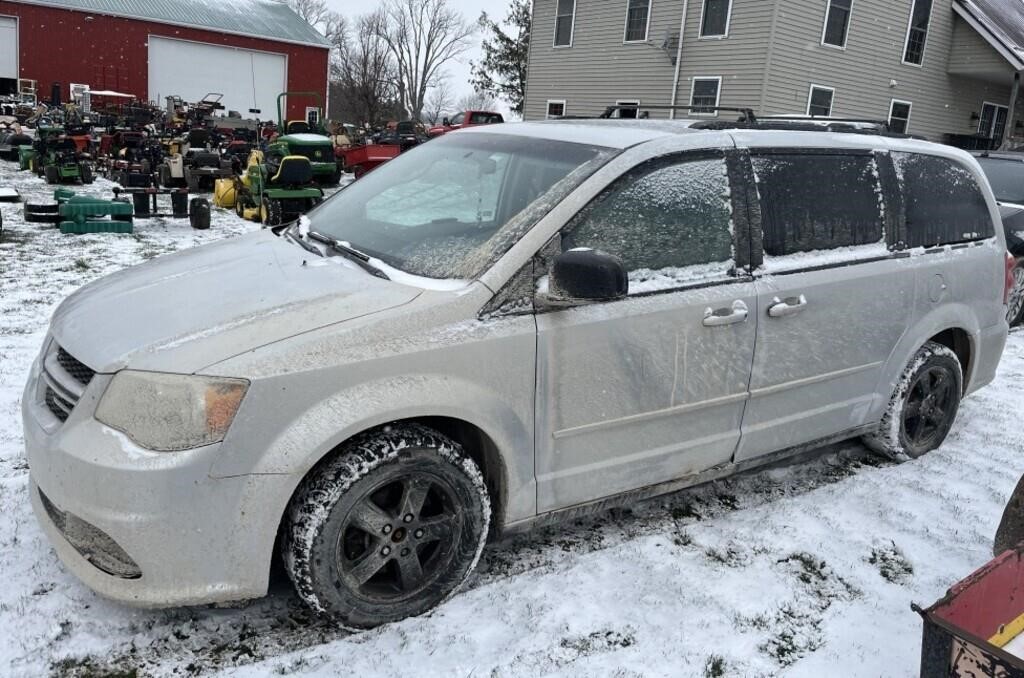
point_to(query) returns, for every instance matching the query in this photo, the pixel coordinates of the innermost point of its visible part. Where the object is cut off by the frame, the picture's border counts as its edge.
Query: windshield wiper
(289, 233)
(349, 252)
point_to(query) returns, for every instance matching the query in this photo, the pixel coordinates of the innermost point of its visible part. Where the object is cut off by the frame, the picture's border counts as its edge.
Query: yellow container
(225, 193)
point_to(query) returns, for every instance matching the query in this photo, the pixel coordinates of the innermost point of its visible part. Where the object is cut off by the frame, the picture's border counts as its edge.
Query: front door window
(993, 123)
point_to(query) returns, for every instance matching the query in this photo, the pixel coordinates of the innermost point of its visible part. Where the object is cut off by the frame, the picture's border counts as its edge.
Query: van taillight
(1011, 263)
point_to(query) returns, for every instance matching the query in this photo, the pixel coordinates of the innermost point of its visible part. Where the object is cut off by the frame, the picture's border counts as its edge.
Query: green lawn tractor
(278, 190)
(60, 161)
(308, 138)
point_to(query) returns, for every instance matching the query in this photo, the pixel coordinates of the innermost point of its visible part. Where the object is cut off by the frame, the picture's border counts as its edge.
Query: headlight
(169, 412)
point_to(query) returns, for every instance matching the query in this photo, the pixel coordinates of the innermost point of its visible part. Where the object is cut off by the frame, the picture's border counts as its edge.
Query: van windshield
(450, 207)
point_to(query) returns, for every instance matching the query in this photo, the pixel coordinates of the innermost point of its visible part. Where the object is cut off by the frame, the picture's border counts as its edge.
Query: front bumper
(195, 539)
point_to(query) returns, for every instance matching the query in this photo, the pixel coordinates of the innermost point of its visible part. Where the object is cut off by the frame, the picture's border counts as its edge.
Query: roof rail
(746, 114)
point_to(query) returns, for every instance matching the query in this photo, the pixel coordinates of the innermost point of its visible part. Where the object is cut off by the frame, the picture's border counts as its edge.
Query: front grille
(91, 542)
(82, 374)
(66, 378)
(61, 408)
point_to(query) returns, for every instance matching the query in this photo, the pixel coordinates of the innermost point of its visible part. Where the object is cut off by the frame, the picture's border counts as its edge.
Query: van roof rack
(746, 114)
(748, 120)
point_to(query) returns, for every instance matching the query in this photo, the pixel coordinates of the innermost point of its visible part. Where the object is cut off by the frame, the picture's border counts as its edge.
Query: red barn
(248, 50)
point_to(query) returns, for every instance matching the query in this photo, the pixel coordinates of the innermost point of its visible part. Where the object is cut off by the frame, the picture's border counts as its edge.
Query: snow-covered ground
(808, 570)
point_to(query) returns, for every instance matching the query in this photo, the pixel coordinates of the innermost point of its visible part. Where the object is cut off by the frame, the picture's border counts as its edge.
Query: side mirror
(446, 122)
(583, 275)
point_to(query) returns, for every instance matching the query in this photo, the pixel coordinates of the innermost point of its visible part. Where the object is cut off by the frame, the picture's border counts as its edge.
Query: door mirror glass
(582, 275)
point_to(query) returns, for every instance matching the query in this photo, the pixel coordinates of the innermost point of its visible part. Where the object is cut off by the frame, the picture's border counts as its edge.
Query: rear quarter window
(943, 202)
(816, 202)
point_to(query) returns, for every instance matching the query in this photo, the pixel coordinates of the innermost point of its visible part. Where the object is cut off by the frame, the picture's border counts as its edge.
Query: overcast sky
(459, 72)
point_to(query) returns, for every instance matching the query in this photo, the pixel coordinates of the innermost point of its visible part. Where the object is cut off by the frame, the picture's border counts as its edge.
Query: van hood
(185, 311)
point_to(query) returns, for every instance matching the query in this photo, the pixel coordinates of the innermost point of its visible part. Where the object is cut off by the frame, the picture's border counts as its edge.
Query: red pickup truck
(465, 119)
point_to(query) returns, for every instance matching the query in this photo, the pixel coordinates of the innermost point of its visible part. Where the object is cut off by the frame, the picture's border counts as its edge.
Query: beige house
(943, 69)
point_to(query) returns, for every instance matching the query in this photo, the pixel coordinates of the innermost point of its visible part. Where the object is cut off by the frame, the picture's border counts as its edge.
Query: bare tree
(315, 12)
(363, 74)
(439, 102)
(423, 35)
(477, 101)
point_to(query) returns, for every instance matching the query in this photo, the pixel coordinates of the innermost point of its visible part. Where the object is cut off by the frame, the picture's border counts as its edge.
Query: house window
(704, 96)
(819, 101)
(627, 112)
(993, 122)
(638, 17)
(917, 32)
(837, 23)
(556, 108)
(565, 18)
(899, 116)
(714, 20)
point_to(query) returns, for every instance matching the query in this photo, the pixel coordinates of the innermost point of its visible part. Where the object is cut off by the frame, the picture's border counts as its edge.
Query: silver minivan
(506, 325)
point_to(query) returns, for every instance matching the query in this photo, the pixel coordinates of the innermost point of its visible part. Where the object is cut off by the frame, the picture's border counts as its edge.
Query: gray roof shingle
(267, 19)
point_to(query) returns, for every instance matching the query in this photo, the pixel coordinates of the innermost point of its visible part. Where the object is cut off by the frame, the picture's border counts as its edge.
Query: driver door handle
(790, 306)
(726, 316)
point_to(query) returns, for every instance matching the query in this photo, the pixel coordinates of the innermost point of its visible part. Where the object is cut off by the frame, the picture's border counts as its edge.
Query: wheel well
(477, 444)
(958, 341)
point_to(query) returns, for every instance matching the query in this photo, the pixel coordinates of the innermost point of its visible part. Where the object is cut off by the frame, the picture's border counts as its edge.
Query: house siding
(598, 69)
(770, 58)
(862, 73)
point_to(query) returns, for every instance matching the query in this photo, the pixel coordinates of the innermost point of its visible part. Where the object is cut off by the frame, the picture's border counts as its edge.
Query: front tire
(923, 406)
(388, 529)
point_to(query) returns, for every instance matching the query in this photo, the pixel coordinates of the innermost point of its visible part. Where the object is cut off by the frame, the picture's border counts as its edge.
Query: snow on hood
(185, 311)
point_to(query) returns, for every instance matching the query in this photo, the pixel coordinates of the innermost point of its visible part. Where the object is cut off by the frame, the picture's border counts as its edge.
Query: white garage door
(247, 79)
(8, 47)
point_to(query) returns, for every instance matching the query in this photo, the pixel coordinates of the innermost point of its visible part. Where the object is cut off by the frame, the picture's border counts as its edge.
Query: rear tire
(388, 529)
(85, 172)
(923, 406)
(1015, 308)
(52, 174)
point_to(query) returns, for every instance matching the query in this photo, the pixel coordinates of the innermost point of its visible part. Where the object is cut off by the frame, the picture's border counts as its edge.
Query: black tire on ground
(52, 174)
(1011, 527)
(123, 217)
(923, 405)
(40, 208)
(1015, 309)
(240, 206)
(333, 179)
(199, 213)
(389, 528)
(42, 214)
(85, 171)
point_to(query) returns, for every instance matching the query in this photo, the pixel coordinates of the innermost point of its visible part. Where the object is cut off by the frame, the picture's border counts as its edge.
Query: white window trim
(910, 111)
(997, 107)
(547, 107)
(906, 39)
(625, 27)
(810, 93)
(700, 26)
(824, 27)
(629, 102)
(718, 94)
(572, 28)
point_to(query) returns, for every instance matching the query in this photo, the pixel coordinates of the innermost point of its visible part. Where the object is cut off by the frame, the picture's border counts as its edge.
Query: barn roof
(266, 19)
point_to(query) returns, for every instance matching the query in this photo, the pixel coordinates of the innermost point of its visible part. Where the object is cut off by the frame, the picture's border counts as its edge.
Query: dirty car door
(649, 388)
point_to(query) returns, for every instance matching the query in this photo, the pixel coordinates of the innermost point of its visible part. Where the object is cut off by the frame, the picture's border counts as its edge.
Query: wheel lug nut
(419, 533)
(405, 552)
(407, 518)
(387, 529)
(385, 551)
